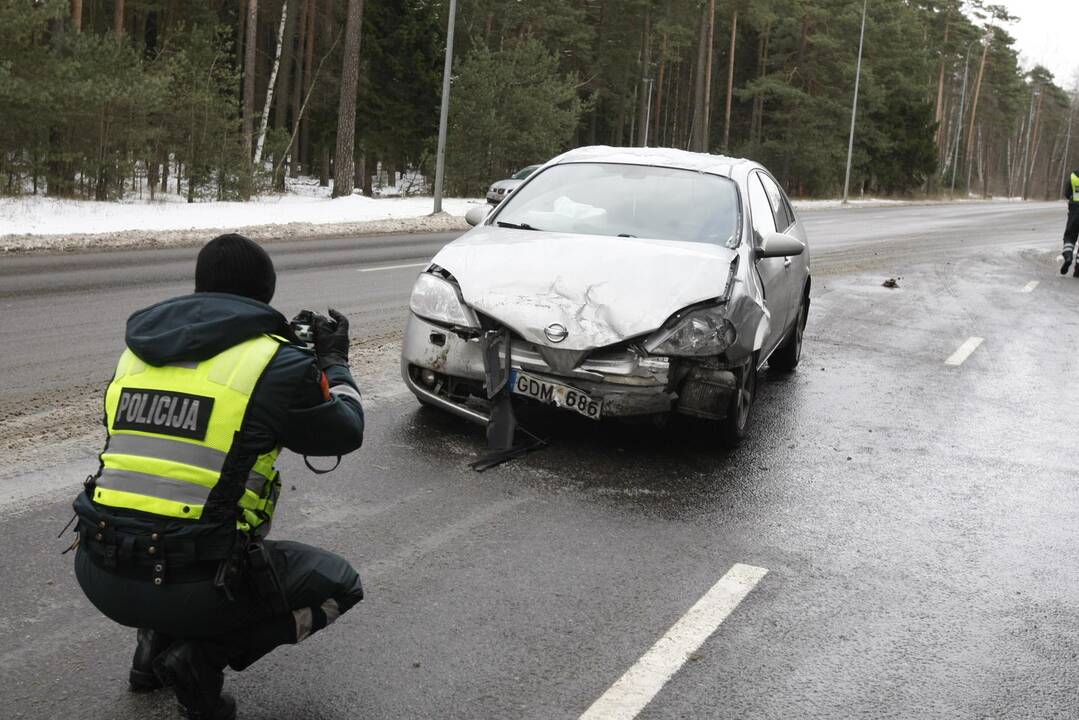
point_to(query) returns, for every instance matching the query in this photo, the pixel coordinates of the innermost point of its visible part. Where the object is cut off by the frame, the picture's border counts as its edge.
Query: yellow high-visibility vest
(171, 428)
(1075, 188)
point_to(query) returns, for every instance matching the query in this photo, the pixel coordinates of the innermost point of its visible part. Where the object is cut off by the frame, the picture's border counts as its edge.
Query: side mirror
(477, 215)
(776, 244)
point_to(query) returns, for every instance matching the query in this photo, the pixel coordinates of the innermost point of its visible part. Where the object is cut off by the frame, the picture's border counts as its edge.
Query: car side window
(759, 207)
(790, 210)
(779, 207)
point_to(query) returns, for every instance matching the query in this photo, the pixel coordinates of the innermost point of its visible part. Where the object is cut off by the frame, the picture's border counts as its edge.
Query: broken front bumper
(446, 370)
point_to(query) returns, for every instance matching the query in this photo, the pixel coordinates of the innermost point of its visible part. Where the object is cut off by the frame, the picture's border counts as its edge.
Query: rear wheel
(789, 352)
(734, 426)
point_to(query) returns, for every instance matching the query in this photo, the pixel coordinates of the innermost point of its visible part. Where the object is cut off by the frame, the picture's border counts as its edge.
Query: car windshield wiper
(515, 226)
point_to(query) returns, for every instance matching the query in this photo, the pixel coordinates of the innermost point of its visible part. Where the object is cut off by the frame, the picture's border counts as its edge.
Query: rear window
(628, 200)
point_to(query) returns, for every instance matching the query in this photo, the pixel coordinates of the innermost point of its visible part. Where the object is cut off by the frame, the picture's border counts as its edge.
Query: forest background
(222, 99)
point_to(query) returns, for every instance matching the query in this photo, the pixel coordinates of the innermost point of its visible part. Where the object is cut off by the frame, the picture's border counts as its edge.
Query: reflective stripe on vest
(171, 428)
(1075, 187)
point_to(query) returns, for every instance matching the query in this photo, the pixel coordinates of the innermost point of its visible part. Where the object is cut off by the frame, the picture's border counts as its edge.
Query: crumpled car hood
(602, 289)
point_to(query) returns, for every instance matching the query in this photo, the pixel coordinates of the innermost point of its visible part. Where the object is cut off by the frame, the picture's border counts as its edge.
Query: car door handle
(786, 262)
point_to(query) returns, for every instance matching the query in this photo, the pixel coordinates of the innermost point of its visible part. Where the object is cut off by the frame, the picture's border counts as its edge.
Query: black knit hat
(233, 264)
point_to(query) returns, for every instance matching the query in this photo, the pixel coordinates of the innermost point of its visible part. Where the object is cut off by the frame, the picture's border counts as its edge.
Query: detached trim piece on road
(393, 267)
(964, 351)
(1029, 287)
(634, 690)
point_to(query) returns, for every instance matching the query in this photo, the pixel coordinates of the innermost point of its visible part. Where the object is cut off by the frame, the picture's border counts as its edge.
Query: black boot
(1067, 263)
(150, 644)
(194, 672)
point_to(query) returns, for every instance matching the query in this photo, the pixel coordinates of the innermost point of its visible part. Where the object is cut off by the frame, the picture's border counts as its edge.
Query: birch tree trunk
(284, 77)
(346, 105)
(270, 86)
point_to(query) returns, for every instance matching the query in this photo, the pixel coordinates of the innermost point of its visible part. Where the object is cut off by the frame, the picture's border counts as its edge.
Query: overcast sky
(1047, 33)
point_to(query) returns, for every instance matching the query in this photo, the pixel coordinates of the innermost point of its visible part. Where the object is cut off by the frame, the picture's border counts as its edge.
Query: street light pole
(854, 107)
(443, 119)
(1068, 139)
(959, 122)
(648, 112)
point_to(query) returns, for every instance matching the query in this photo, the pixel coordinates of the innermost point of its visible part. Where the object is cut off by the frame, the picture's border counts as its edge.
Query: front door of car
(797, 269)
(774, 272)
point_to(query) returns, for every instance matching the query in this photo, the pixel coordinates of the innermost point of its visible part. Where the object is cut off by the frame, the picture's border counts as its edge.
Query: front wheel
(734, 426)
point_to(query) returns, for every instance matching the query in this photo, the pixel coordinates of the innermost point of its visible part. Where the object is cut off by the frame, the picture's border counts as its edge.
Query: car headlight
(697, 333)
(436, 299)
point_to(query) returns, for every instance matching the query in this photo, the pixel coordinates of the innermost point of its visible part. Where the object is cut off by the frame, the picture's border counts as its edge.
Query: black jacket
(288, 406)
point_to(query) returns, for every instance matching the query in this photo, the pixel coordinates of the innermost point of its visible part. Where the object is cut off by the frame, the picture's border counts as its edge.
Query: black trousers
(319, 586)
(1071, 230)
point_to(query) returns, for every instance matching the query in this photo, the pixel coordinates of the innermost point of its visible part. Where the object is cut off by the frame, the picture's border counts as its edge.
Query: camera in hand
(303, 326)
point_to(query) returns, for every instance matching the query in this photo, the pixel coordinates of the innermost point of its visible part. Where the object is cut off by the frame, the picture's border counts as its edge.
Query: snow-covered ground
(36, 215)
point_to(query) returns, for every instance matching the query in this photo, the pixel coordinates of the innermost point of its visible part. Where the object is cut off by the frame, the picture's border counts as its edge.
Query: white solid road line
(1029, 287)
(393, 267)
(964, 351)
(634, 690)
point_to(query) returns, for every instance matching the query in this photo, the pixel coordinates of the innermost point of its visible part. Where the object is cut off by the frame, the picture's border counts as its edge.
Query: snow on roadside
(35, 215)
(888, 202)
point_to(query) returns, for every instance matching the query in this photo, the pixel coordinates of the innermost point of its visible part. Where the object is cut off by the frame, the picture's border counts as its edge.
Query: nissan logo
(556, 333)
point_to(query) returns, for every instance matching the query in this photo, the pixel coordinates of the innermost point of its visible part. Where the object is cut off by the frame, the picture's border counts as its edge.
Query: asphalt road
(917, 519)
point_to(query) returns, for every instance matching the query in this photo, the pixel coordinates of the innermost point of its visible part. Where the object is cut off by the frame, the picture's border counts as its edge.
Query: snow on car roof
(665, 157)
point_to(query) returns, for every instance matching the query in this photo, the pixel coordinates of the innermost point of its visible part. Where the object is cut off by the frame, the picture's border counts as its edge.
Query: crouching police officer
(211, 387)
(1071, 230)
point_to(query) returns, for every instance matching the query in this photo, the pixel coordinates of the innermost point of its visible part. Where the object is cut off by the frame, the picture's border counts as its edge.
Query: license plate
(552, 393)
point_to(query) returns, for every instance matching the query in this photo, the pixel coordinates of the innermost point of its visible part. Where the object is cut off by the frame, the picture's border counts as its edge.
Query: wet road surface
(917, 519)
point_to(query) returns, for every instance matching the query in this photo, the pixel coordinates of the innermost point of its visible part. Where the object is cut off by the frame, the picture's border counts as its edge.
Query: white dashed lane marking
(1029, 287)
(393, 267)
(964, 351)
(634, 690)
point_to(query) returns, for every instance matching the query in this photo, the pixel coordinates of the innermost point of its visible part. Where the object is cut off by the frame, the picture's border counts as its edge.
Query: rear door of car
(774, 272)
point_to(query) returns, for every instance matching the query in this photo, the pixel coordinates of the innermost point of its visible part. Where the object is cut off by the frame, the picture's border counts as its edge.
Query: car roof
(662, 157)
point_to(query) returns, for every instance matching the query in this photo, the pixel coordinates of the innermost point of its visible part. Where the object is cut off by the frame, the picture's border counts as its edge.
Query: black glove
(331, 339)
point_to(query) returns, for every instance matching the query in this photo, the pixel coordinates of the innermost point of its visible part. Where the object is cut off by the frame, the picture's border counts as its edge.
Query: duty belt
(153, 555)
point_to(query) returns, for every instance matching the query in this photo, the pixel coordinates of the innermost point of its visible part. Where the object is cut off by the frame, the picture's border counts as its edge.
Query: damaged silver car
(615, 283)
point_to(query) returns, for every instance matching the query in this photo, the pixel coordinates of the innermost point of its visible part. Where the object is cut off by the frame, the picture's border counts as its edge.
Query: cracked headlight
(439, 300)
(696, 333)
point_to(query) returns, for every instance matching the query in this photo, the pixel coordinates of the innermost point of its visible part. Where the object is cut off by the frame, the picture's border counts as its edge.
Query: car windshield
(627, 201)
(522, 174)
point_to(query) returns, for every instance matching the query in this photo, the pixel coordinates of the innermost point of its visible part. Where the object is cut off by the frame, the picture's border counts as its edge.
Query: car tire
(735, 426)
(789, 353)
